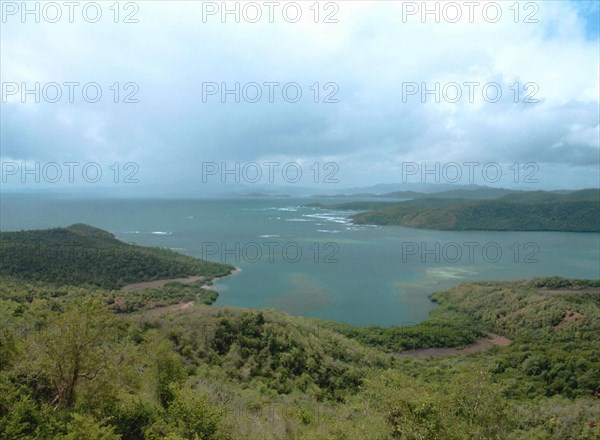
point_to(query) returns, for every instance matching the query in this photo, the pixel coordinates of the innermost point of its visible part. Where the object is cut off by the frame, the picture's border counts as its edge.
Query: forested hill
(81, 254)
(71, 369)
(577, 211)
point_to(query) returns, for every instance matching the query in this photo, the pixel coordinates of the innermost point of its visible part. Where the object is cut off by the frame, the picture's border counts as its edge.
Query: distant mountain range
(401, 189)
(267, 190)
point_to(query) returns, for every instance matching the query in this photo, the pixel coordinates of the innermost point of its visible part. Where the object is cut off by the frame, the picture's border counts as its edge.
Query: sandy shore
(159, 283)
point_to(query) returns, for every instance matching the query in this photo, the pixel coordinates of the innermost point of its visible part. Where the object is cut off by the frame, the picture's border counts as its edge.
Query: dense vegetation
(555, 328)
(577, 211)
(22, 291)
(444, 328)
(72, 368)
(81, 254)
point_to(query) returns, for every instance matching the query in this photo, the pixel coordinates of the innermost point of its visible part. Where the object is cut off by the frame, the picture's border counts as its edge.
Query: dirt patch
(159, 283)
(479, 345)
(568, 318)
(166, 309)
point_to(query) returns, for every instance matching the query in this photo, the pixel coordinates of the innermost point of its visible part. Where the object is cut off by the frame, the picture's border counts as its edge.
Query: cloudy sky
(517, 84)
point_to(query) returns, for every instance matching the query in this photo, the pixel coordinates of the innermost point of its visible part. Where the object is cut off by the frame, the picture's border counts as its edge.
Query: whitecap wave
(329, 217)
(273, 208)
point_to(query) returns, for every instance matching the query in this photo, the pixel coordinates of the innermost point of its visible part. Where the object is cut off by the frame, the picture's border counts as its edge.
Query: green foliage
(444, 328)
(556, 348)
(167, 367)
(19, 412)
(74, 369)
(83, 255)
(72, 347)
(22, 291)
(171, 293)
(132, 419)
(192, 417)
(282, 353)
(83, 426)
(578, 211)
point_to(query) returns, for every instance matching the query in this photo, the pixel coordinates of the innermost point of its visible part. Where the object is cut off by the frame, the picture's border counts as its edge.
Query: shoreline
(133, 287)
(210, 286)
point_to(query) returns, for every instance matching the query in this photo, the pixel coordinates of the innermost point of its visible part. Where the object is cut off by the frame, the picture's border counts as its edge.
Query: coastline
(133, 287)
(159, 283)
(210, 285)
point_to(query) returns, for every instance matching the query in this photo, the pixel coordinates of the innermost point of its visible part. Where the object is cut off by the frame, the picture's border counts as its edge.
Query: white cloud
(369, 54)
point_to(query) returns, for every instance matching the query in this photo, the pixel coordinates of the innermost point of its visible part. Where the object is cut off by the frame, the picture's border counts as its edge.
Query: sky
(318, 95)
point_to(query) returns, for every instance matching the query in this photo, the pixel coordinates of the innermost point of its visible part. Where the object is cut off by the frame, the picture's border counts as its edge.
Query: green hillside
(578, 211)
(71, 369)
(81, 254)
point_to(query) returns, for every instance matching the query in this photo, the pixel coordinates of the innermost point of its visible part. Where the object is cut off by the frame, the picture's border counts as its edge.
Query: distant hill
(478, 193)
(372, 205)
(260, 194)
(81, 254)
(473, 192)
(576, 211)
(425, 191)
(383, 189)
(545, 196)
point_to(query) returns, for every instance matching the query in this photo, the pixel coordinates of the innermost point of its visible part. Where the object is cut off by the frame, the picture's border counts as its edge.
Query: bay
(313, 262)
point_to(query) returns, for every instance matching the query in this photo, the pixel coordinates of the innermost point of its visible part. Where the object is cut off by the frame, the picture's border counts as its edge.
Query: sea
(315, 262)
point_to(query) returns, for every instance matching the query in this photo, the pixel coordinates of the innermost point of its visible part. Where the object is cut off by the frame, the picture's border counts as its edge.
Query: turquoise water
(313, 262)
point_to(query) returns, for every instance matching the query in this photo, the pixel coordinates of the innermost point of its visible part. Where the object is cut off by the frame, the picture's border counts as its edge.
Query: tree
(166, 366)
(74, 346)
(192, 416)
(84, 426)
